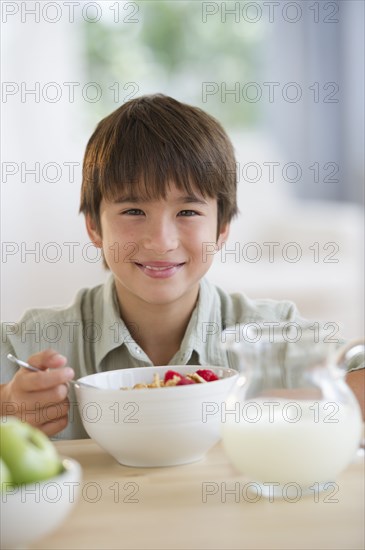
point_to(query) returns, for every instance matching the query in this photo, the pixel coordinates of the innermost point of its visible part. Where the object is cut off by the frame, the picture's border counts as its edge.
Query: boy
(159, 185)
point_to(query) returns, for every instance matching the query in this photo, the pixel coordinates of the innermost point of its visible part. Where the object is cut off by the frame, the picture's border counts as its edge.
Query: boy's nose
(161, 237)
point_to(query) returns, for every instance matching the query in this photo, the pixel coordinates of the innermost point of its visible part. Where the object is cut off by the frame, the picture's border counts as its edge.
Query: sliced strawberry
(185, 381)
(170, 374)
(207, 374)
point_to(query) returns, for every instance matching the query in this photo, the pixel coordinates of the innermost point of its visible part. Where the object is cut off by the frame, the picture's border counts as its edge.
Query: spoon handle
(25, 365)
(21, 363)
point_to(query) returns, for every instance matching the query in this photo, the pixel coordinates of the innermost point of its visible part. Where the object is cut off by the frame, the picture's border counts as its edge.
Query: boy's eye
(188, 213)
(133, 212)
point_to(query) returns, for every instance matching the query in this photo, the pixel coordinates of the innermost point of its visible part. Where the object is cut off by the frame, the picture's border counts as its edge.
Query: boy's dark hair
(151, 142)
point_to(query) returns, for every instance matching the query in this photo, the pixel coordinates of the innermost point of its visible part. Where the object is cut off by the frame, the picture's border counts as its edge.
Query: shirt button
(137, 350)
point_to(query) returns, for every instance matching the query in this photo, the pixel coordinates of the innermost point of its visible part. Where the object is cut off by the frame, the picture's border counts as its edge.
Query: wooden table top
(204, 505)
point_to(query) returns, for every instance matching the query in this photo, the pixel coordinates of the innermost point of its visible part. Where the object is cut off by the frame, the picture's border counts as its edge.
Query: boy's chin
(165, 297)
(160, 297)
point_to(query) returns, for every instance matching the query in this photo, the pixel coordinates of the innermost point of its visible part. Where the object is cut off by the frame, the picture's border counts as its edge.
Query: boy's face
(155, 249)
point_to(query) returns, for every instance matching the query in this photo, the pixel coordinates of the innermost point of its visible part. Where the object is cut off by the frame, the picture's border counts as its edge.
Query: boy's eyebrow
(192, 199)
(126, 199)
(183, 200)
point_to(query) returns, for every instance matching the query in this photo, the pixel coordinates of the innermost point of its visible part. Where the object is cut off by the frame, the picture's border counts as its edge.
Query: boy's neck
(157, 328)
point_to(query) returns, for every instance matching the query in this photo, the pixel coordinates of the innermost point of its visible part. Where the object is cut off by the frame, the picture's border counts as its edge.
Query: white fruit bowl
(153, 426)
(32, 511)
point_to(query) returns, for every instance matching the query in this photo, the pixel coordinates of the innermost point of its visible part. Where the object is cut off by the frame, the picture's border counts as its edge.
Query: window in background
(284, 81)
(178, 49)
(293, 71)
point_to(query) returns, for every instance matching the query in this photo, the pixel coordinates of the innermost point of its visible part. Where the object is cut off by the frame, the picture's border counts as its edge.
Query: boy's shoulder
(83, 302)
(43, 327)
(239, 308)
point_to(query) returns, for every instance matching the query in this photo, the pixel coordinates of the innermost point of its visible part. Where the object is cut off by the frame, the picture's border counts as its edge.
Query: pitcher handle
(351, 357)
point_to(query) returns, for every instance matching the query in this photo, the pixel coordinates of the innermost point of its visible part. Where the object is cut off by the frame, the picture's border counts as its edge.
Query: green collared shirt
(91, 334)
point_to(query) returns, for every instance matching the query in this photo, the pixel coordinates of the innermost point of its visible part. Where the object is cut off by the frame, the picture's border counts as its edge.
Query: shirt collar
(209, 326)
(113, 329)
(203, 334)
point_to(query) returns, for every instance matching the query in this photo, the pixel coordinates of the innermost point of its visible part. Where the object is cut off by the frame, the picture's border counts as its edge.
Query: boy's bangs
(144, 162)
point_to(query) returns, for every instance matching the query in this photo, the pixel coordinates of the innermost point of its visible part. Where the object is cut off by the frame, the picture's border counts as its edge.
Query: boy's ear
(223, 235)
(92, 231)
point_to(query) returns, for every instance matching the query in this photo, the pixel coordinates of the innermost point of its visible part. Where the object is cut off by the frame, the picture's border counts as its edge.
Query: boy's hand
(40, 398)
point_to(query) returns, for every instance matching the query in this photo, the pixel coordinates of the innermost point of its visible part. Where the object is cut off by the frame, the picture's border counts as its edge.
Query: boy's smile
(160, 270)
(154, 247)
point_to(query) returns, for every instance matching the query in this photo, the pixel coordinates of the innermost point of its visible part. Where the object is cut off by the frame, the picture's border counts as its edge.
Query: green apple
(27, 452)
(5, 476)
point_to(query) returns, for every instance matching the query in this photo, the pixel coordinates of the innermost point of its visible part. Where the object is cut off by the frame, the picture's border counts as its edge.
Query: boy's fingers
(52, 396)
(40, 381)
(41, 397)
(47, 359)
(53, 412)
(52, 428)
(38, 415)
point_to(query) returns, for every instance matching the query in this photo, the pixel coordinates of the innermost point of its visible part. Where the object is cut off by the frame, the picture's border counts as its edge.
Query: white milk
(294, 441)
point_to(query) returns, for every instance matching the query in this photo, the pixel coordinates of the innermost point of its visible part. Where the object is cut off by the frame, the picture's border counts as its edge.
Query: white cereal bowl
(153, 426)
(32, 511)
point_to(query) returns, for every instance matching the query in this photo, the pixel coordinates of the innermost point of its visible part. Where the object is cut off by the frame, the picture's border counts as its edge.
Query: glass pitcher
(291, 423)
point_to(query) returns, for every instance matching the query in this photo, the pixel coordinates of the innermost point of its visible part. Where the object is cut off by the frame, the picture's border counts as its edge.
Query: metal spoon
(21, 363)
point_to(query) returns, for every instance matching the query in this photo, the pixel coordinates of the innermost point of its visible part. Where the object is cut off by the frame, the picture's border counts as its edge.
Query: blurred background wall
(286, 79)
